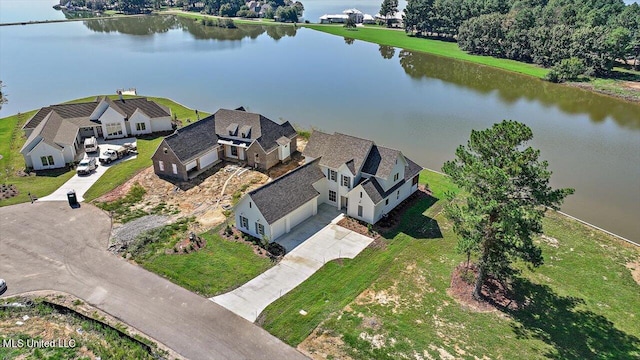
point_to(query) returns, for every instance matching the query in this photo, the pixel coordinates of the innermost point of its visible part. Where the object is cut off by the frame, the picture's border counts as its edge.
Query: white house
(364, 180)
(55, 133)
(356, 15)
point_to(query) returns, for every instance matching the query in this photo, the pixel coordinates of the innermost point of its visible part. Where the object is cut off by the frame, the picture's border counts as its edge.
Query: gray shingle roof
(193, 139)
(338, 149)
(375, 190)
(82, 111)
(380, 161)
(66, 111)
(151, 108)
(288, 192)
(412, 169)
(263, 130)
(53, 130)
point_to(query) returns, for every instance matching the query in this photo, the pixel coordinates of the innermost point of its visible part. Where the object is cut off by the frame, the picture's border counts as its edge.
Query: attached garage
(192, 165)
(208, 159)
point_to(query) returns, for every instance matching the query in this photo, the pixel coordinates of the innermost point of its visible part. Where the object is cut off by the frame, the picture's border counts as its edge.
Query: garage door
(191, 165)
(302, 213)
(208, 159)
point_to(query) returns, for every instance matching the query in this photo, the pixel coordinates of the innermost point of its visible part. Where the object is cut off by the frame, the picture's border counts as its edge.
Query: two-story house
(364, 180)
(232, 135)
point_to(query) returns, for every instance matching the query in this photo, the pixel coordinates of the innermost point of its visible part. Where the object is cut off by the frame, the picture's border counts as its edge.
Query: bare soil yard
(202, 197)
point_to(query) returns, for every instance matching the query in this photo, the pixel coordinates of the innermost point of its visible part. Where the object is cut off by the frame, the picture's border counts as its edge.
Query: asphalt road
(49, 246)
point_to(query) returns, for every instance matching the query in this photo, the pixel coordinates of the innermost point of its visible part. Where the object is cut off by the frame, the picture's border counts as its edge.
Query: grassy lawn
(11, 141)
(219, 267)
(397, 38)
(584, 302)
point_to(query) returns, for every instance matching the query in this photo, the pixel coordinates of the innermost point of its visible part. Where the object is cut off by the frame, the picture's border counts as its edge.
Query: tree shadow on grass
(411, 218)
(573, 332)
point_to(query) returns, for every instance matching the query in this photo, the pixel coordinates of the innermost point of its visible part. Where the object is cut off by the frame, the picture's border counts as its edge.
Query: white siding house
(364, 180)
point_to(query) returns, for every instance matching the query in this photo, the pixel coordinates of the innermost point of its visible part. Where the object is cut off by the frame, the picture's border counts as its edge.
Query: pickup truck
(112, 155)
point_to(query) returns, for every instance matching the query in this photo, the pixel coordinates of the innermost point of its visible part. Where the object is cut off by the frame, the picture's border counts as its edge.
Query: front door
(344, 201)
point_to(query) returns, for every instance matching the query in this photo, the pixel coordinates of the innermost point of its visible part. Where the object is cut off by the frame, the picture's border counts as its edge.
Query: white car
(86, 166)
(3, 286)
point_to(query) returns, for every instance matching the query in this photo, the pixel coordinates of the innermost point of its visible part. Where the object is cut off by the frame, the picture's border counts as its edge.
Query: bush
(567, 69)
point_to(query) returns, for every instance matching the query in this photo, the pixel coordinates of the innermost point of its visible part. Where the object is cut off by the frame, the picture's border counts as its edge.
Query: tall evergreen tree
(507, 194)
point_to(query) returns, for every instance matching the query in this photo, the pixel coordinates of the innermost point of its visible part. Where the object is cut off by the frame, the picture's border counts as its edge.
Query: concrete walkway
(80, 184)
(331, 242)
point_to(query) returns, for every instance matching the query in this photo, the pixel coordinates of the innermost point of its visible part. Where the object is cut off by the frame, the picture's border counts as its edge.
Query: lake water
(424, 105)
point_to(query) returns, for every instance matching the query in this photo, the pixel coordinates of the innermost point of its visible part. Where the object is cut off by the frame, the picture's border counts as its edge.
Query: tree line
(573, 36)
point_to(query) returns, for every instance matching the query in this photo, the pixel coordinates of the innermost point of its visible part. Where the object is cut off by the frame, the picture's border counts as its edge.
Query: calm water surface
(421, 104)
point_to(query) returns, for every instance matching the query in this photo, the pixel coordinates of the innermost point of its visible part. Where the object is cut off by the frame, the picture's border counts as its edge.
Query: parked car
(112, 155)
(3, 286)
(86, 166)
(90, 145)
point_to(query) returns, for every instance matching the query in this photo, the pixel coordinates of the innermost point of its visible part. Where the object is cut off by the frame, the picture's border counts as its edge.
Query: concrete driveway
(49, 246)
(330, 242)
(81, 183)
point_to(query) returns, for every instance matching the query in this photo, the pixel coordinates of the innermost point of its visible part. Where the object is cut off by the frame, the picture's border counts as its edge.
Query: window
(332, 196)
(175, 168)
(234, 151)
(346, 181)
(359, 210)
(386, 202)
(114, 129)
(398, 195)
(333, 175)
(141, 126)
(244, 222)
(259, 228)
(415, 180)
(360, 194)
(161, 165)
(47, 160)
(249, 204)
(395, 177)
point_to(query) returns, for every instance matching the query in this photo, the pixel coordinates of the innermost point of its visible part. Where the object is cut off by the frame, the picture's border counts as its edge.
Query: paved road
(329, 243)
(48, 246)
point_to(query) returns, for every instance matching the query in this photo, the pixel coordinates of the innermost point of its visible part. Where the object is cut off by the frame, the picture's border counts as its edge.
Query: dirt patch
(551, 241)
(631, 85)
(358, 226)
(201, 197)
(8, 191)
(496, 294)
(295, 161)
(321, 344)
(634, 267)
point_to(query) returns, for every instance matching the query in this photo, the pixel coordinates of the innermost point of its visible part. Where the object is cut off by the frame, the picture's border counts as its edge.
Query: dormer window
(396, 176)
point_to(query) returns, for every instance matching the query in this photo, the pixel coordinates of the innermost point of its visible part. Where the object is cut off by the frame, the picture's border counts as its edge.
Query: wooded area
(573, 36)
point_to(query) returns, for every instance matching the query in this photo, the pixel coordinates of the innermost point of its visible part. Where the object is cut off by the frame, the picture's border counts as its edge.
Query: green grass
(584, 303)
(11, 141)
(219, 267)
(96, 338)
(396, 38)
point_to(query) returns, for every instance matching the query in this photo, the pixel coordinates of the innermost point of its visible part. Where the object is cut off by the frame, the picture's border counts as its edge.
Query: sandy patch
(634, 267)
(322, 345)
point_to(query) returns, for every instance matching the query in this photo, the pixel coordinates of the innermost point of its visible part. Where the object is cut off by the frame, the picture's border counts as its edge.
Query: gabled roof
(54, 131)
(338, 149)
(288, 192)
(265, 131)
(375, 191)
(193, 140)
(65, 111)
(150, 108)
(381, 161)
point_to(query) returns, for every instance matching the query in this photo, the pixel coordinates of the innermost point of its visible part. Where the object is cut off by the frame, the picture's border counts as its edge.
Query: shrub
(566, 69)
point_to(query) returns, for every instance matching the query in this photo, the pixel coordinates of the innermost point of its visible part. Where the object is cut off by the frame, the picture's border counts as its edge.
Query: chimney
(119, 92)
